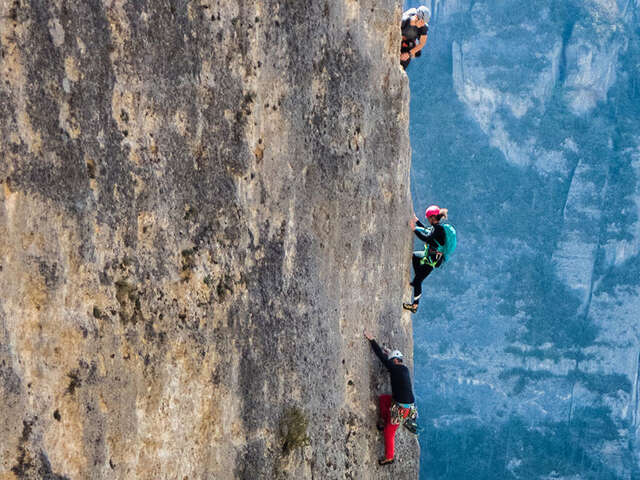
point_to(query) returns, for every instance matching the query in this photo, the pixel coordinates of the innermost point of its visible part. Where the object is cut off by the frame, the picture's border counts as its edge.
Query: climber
(440, 242)
(397, 407)
(414, 28)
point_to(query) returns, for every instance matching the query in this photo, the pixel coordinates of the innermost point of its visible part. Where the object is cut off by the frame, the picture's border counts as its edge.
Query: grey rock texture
(203, 203)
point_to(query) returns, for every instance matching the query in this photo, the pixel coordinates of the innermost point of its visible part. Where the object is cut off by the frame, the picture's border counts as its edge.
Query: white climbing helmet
(409, 13)
(423, 13)
(395, 354)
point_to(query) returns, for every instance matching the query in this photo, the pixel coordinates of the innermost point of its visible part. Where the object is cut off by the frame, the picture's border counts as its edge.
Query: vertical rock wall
(202, 205)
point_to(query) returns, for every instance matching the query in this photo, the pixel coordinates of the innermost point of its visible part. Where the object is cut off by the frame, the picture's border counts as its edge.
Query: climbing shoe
(412, 307)
(380, 425)
(412, 426)
(385, 461)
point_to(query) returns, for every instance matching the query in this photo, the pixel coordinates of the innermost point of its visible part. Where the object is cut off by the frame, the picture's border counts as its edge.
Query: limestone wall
(202, 205)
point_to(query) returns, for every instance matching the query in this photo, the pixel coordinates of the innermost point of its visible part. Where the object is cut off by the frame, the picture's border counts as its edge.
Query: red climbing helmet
(432, 211)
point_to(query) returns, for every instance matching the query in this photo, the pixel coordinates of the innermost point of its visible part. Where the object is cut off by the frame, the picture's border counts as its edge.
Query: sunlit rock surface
(203, 203)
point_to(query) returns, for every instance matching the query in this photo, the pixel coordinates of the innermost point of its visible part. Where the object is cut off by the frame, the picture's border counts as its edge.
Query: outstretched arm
(424, 233)
(377, 350)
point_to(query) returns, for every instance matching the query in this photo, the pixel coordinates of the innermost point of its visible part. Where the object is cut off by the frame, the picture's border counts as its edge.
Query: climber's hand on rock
(368, 336)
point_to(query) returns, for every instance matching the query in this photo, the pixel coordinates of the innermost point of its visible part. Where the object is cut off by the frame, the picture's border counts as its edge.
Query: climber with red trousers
(398, 407)
(440, 241)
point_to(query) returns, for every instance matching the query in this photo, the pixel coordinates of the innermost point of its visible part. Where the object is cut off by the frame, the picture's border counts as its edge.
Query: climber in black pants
(425, 261)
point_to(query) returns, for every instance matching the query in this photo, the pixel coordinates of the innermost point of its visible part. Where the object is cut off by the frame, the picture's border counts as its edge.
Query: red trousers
(389, 428)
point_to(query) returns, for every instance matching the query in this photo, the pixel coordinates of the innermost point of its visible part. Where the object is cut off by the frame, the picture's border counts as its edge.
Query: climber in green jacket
(440, 242)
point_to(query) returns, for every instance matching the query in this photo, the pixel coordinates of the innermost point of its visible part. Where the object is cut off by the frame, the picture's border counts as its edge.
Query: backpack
(444, 251)
(451, 241)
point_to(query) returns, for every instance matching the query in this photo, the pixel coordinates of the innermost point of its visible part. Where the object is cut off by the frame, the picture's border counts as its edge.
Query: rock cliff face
(203, 204)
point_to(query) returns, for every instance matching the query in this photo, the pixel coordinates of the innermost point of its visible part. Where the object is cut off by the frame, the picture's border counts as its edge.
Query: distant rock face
(527, 363)
(203, 205)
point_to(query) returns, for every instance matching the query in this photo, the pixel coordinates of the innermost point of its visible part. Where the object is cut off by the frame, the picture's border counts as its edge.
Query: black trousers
(420, 271)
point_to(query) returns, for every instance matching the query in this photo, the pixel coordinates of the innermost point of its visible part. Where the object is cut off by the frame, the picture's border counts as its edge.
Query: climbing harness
(401, 412)
(428, 260)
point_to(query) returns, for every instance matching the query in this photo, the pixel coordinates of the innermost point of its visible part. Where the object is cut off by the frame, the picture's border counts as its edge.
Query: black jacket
(411, 33)
(400, 380)
(431, 235)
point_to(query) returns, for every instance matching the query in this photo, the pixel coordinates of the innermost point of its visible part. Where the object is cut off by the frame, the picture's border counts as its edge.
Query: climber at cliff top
(440, 242)
(397, 407)
(414, 28)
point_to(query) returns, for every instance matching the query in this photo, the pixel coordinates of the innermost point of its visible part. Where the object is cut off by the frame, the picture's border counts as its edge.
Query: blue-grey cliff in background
(525, 124)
